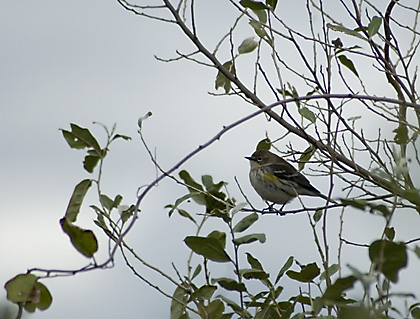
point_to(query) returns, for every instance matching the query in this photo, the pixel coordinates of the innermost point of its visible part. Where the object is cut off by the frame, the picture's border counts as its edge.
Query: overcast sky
(85, 61)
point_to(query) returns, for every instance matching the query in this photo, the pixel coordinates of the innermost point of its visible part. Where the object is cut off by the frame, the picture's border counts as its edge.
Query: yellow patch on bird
(270, 177)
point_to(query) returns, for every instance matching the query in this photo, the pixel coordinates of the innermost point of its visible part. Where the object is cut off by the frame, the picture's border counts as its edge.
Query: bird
(276, 180)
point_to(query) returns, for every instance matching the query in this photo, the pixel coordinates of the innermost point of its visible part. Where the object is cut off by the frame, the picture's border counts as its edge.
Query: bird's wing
(288, 172)
(283, 170)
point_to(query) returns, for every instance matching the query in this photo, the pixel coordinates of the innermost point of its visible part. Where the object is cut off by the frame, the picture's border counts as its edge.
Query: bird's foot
(271, 209)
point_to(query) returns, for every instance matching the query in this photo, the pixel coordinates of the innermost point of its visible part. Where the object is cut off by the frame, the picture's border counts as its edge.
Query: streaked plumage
(277, 181)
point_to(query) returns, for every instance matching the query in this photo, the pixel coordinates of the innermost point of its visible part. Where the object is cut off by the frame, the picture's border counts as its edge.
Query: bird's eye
(259, 159)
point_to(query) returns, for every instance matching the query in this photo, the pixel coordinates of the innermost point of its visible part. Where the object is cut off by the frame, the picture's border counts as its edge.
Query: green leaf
(272, 4)
(73, 142)
(337, 43)
(302, 299)
(238, 208)
(278, 291)
(283, 309)
(245, 223)
(401, 135)
(215, 310)
(264, 144)
(306, 274)
(179, 201)
(285, 267)
(340, 28)
(222, 80)
(30, 306)
(83, 240)
(380, 208)
(254, 5)
(196, 271)
(348, 64)
(247, 239)
(388, 257)
(40, 298)
(331, 271)
(203, 293)
(46, 298)
(126, 212)
(306, 156)
(334, 292)
(390, 233)
(417, 251)
(143, 118)
(254, 262)
(279, 311)
(76, 200)
(100, 221)
(193, 187)
(107, 202)
(307, 114)
(223, 214)
(210, 185)
(318, 215)
(414, 305)
(286, 308)
(262, 15)
(124, 137)
(247, 46)
(90, 162)
(235, 307)
(359, 311)
(268, 311)
(374, 26)
(179, 303)
(212, 199)
(220, 236)
(19, 288)
(293, 93)
(97, 210)
(413, 196)
(80, 138)
(354, 118)
(415, 312)
(210, 248)
(117, 201)
(318, 304)
(254, 274)
(259, 29)
(229, 284)
(187, 215)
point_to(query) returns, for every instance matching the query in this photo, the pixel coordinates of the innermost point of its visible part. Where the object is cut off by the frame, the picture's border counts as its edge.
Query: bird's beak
(249, 158)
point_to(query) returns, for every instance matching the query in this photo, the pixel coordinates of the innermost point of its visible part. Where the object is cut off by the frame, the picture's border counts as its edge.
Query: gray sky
(86, 61)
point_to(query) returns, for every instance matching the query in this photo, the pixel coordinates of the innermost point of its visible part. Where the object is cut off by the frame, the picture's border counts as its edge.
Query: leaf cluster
(26, 290)
(201, 293)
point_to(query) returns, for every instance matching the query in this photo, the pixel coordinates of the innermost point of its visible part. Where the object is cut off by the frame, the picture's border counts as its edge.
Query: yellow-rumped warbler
(277, 181)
